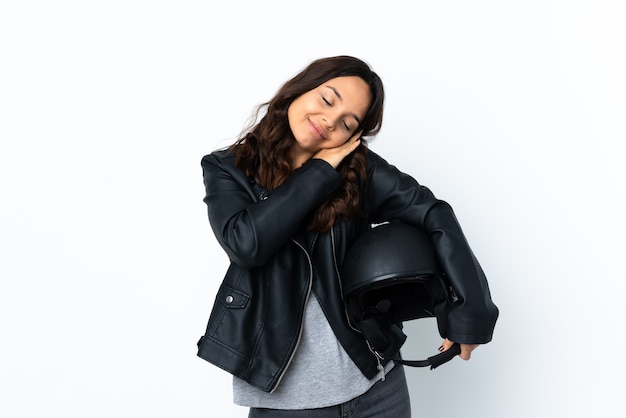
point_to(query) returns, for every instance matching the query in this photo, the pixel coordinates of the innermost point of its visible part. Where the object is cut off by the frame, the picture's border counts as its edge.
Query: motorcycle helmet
(391, 274)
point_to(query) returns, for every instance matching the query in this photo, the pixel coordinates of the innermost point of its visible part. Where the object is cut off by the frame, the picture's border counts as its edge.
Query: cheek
(339, 138)
(291, 117)
(296, 113)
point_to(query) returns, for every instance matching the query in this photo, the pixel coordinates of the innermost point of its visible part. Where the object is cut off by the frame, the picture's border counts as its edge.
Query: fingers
(334, 156)
(353, 141)
(356, 136)
(352, 144)
(446, 345)
(466, 349)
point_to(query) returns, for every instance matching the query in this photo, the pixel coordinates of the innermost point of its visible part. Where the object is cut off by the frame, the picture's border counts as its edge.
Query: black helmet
(391, 274)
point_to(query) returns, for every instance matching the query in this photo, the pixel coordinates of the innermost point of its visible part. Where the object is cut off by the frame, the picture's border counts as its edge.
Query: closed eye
(336, 92)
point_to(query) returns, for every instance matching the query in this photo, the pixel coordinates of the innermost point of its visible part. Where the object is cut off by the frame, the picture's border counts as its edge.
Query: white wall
(511, 111)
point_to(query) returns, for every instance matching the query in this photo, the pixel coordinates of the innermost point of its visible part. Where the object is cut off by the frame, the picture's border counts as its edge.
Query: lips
(315, 128)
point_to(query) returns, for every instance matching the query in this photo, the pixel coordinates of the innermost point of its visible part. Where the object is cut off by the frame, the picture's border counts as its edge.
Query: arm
(393, 195)
(251, 230)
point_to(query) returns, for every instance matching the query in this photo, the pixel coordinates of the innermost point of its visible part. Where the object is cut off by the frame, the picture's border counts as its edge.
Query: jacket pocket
(232, 298)
(232, 321)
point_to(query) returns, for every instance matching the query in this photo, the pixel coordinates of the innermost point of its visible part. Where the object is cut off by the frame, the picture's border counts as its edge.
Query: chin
(307, 145)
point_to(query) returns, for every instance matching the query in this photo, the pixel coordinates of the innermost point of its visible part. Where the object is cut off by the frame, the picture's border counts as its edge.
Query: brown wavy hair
(263, 150)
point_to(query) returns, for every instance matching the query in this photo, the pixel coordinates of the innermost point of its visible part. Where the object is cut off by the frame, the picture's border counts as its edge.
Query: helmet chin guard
(391, 274)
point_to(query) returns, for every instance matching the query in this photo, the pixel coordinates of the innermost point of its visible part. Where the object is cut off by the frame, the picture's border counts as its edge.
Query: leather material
(255, 322)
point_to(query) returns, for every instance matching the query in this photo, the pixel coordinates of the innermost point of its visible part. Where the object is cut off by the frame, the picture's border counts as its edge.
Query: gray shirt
(320, 374)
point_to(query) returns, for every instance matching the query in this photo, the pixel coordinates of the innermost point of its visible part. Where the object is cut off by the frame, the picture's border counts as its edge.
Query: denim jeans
(388, 399)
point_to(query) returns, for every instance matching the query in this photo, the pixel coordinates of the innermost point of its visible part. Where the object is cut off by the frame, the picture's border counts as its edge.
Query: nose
(330, 121)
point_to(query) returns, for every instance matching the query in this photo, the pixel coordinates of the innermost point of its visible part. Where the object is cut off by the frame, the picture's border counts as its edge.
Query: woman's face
(329, 115)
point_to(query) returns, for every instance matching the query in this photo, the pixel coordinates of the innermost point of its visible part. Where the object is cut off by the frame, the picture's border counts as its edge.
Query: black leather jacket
(255, 322)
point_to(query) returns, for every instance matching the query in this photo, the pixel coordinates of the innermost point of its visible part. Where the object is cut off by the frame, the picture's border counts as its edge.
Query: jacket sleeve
(393, 195)
(252, 229)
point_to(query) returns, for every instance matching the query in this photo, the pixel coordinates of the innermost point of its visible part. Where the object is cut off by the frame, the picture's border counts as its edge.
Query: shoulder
(374, 158)
(379, 166)
(220, 160)
(220, 156)
(221, 164)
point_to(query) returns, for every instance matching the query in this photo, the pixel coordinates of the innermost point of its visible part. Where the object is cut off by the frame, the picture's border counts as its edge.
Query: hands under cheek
(334, 156)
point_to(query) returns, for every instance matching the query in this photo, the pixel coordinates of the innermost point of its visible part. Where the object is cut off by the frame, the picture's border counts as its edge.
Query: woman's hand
(334, 156)
(466, 349)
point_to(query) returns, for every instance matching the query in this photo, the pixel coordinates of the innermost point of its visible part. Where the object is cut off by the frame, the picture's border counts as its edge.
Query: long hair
(263, 151)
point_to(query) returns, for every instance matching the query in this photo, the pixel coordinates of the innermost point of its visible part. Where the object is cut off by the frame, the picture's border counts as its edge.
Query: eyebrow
(354, 115)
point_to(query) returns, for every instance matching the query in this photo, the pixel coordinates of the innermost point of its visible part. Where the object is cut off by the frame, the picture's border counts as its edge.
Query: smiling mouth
(317, 129)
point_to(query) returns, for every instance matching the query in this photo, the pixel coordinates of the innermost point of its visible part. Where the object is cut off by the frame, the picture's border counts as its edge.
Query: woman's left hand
(466, 349)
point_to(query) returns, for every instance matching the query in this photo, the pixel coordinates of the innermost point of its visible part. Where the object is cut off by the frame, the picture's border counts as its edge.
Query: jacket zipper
(378, 357)
(306, 300)
(263, 195)
(345, 308)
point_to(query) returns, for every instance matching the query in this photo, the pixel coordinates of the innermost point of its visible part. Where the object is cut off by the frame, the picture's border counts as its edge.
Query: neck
(299, 156)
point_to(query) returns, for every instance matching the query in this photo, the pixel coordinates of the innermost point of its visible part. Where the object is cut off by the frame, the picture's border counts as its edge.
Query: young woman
(285, 202)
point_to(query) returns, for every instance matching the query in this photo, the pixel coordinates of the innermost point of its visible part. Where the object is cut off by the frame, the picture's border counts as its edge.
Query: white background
(512, 111)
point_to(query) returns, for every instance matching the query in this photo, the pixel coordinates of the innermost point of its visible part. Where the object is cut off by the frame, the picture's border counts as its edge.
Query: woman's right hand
(334, 156)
